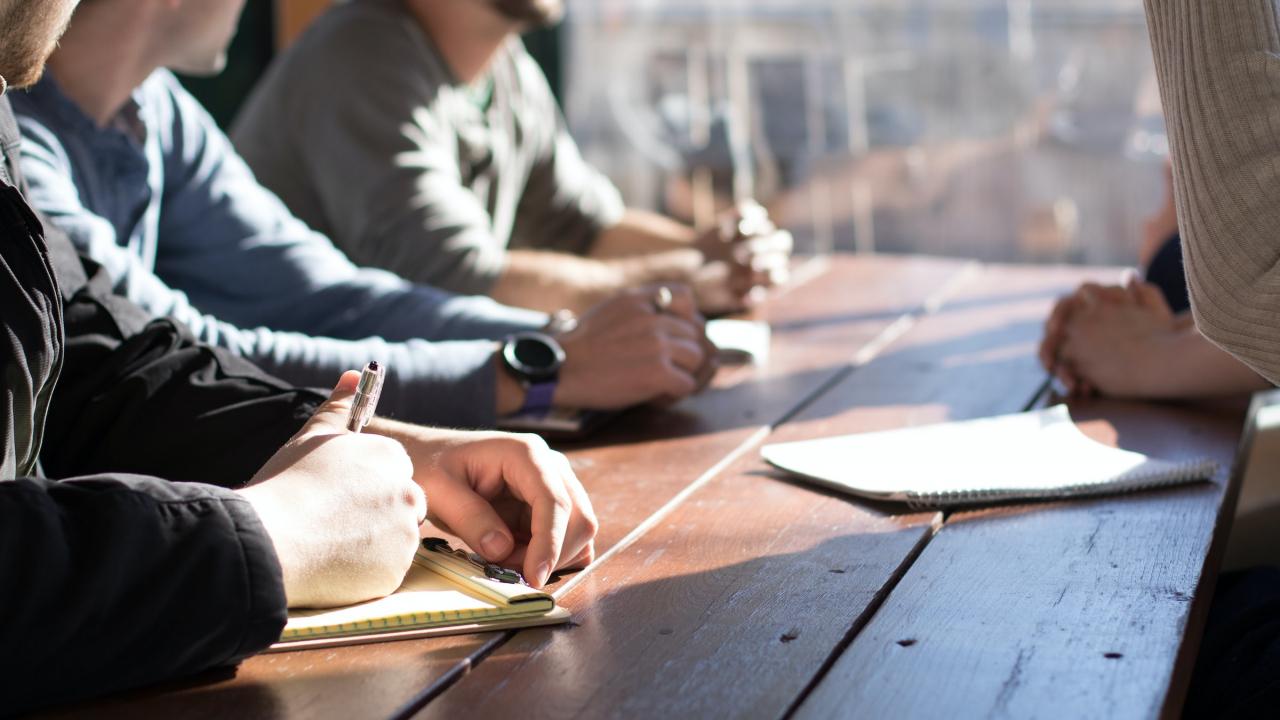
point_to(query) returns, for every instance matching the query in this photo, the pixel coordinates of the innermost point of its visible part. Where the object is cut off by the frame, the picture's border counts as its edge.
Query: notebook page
(1034, 454)
(424, 598)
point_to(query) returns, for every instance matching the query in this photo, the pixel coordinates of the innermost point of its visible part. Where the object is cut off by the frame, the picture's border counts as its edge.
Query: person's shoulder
(163, 89)
(526, 76)
(164, 101)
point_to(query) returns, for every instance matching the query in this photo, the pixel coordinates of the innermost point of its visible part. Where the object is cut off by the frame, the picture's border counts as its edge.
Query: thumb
(331, 417)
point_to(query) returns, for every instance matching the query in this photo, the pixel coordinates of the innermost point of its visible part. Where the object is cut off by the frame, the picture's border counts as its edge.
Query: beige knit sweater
(1218, 62)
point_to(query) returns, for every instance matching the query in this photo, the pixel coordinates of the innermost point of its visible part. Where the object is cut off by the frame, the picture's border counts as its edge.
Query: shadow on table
(989, 359)
(808, 323)
(683, 635)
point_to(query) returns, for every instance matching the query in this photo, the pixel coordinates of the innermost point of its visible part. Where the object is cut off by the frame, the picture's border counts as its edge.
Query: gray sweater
(364, 132)
(1218, 63)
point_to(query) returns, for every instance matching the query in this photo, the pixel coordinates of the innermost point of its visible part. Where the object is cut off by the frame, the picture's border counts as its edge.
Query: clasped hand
(1108, 339)
(744, 255)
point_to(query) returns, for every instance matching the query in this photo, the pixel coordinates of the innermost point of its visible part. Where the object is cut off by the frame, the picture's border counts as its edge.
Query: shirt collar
(127, 123)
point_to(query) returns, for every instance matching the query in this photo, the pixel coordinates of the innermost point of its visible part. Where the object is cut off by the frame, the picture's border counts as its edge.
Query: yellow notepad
(444, 593)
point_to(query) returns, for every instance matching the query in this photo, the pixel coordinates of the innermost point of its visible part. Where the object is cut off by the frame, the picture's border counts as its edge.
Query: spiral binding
(1140, 478)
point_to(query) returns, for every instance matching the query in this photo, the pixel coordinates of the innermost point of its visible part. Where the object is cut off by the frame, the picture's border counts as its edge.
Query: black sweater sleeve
(113, 582)
(142, 396)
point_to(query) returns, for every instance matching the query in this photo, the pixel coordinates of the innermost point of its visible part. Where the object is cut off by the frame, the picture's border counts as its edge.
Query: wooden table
(726, 590)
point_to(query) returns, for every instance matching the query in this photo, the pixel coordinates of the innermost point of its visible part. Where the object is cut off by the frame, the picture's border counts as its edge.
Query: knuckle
(533, 444)
(590, 523)
(409, 496)
(560, 499)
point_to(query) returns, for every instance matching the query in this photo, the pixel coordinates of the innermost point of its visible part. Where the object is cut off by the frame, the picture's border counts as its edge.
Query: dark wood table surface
(724, 589)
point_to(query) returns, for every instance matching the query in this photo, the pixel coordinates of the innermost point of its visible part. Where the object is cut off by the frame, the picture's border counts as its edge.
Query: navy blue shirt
(163, 202)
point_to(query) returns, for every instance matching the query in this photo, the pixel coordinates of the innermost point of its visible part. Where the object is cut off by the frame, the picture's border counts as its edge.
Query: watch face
(534, 355)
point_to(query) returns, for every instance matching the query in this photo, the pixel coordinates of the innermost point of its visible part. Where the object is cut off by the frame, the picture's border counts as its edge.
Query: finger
(743, 280)
(777, 243)
(683, 303)
(331, 416)
(677, 328)
(549, 526)
(582, 519)
(471, 517)
(673, 382)
(582, 559)
(534, 475)
(685, 354)
(1092, 294)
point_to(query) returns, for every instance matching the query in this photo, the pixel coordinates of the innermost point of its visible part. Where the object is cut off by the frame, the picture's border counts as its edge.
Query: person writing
(469, 179)
(128, 164)
(163, 502)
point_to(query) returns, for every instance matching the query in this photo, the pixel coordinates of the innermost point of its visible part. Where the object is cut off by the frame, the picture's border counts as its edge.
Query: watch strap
(538, 397)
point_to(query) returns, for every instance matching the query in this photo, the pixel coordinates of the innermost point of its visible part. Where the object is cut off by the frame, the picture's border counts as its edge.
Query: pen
(365, 403)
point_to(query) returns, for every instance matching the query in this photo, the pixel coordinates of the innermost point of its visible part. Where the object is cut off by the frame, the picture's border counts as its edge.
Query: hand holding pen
(342, 508)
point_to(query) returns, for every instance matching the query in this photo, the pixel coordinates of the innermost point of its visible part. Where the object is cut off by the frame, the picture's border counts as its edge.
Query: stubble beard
(531, 14)
(31, 33)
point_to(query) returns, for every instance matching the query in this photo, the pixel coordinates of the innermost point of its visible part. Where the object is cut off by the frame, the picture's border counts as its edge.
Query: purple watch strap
(538, 397)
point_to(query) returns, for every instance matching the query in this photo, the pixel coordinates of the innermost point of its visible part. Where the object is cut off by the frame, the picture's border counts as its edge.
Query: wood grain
(1080, 608)
(736, 601)
(645, 458)
(633, 469)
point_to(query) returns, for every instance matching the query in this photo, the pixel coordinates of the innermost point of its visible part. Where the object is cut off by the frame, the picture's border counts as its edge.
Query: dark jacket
(124, 557)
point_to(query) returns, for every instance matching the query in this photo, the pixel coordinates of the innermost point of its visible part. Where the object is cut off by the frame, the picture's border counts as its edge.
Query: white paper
(741, 340)
(1027, 455)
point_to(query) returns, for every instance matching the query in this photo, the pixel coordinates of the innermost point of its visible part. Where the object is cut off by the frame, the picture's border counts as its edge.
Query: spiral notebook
(1026, 456)
(446, 592)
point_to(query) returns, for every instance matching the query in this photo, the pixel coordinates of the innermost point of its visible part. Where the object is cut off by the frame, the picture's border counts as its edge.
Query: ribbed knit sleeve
(1218, 63)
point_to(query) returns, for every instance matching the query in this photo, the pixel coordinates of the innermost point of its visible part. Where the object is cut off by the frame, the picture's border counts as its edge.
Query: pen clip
(491, 570)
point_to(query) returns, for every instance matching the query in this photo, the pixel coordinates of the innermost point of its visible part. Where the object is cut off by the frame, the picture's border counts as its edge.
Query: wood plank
(642, 460)
(1089, 605)
(635, 468)
(733, 604)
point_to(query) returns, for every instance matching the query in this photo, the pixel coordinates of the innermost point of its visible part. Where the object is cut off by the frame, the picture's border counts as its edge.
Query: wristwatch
(534, 359)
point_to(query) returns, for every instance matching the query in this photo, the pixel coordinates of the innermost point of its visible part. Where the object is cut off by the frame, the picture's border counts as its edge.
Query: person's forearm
(115, 581)
(1188, 366)
(643, 233)
(550, 281)
(1216, 63)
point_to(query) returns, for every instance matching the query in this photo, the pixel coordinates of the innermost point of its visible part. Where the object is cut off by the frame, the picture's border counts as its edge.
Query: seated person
(468, 179)
(157, 517)
(1138, 340)
(1216, 64)
(131, 167)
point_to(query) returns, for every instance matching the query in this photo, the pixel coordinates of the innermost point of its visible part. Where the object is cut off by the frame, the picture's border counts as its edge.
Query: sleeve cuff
(267, 609)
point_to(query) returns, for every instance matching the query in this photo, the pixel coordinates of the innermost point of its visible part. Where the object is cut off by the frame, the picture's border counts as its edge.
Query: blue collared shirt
(160, 198)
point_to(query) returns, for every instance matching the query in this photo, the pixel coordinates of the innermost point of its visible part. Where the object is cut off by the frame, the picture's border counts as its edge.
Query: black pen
(365, 403)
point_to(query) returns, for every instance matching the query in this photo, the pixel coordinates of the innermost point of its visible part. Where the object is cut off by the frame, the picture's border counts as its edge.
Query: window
(995, 129)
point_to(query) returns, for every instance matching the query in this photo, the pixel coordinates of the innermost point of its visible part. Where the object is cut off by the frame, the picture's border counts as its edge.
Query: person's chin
(207, 67)
(531, 15)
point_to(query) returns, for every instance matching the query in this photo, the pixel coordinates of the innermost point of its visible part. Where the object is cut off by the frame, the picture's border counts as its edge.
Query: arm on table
(1125, 342)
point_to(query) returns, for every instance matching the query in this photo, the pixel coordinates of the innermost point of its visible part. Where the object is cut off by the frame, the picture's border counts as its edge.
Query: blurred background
(1005, 130)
